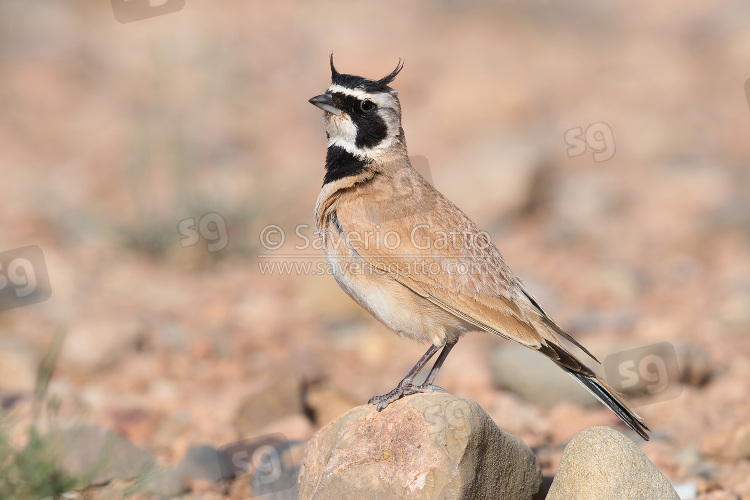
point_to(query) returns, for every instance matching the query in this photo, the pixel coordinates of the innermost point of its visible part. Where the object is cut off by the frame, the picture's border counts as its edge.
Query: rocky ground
(118, 140)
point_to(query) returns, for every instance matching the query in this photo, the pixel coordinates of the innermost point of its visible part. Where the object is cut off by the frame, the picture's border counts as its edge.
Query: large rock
(282, 398)
(425, 446)
(326, 404)
(536, 379)
(164, 483)
(204, 462)
(602, 463)
(101, 454)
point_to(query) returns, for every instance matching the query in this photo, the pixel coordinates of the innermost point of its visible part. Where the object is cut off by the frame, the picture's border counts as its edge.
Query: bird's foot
(401, 390)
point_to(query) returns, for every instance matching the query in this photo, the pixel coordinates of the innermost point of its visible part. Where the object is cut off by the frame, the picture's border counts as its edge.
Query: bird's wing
(427, 244)
(406, 229)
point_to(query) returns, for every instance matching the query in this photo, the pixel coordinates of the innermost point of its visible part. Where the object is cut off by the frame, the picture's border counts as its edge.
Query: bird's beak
(325, 102)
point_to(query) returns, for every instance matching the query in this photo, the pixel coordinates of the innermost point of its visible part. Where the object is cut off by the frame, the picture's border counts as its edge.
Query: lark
(380, 222)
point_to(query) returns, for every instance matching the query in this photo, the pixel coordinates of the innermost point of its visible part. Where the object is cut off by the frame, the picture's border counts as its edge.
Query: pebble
(602, 463)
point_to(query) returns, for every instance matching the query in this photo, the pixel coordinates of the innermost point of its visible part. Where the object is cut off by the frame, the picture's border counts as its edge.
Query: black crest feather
(392, 75)
(334, 73)
(366, 84)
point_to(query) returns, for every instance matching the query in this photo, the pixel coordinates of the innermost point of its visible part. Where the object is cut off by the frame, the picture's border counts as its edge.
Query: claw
(422, 389)
(399, 392)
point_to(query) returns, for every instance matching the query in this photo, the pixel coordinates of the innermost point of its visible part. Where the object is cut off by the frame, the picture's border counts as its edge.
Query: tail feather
(607, 396)
(551, 324)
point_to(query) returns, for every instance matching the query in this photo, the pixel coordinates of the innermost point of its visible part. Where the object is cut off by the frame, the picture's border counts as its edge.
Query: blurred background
(603, 147)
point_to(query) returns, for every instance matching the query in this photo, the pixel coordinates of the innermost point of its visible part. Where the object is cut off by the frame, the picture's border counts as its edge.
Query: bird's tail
(611, 400)
(596, 386)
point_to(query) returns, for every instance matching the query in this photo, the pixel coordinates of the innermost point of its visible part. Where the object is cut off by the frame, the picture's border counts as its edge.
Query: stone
(275, 478)
(688, 457)
(513, 169)
(101, 453)
(695, 364)
(536, 379)
(204, 462)
(326, 403)
(297, 426)
(602, 463)
(281, 398)
(165, 483)
(425, 446)
(267, 466)
(686, 491)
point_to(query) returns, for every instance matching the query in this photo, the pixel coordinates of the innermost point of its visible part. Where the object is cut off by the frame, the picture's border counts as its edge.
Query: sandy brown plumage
(381, 223)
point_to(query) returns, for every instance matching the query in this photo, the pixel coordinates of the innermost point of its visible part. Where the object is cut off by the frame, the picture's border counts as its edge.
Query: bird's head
(362, 116)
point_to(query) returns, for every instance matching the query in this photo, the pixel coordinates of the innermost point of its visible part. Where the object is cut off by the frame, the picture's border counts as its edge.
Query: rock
(102, 453)
(276, 476)
(166, 483)
(686, 491)
(688, 457)
(602, 463)
(657, 371)
(425, 446)
(134, 424)
(204, 462)
(267, 466)
(514, 170)
(326, 404)
(281, 398)
(293, 427)
(516, 416)
(695, 364)
(8, 401)
(536, 379)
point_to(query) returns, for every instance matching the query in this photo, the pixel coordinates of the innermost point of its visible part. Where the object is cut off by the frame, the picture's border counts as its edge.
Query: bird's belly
(394, 305)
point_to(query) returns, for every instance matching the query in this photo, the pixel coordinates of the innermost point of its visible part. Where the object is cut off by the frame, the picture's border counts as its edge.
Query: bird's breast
(394, 305)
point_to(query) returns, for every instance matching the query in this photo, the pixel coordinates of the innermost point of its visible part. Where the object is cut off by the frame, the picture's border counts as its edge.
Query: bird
(411, 257)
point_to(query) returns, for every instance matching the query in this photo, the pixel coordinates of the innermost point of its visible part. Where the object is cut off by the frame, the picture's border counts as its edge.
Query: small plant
(33, 471)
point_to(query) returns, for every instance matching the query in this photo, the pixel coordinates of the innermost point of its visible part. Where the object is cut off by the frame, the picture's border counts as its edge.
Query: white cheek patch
(342, 131)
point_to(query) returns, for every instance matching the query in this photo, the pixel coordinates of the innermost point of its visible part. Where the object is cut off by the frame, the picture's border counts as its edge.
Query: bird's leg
(405, 385)
(427, 385)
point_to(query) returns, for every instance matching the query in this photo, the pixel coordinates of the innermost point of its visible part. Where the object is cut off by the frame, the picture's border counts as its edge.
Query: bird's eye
(367, 105)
